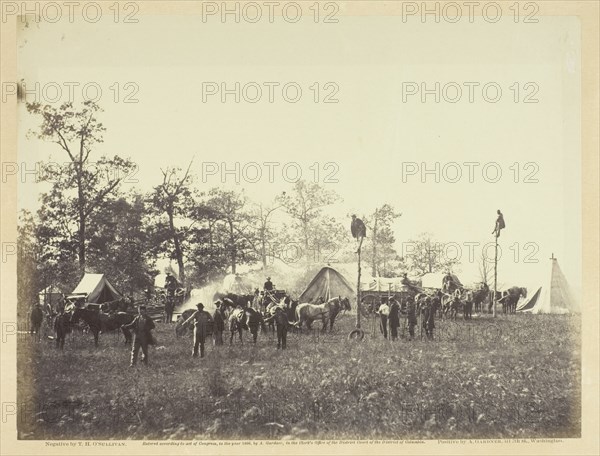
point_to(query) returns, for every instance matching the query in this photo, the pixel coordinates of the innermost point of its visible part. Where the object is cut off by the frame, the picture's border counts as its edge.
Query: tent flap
(97, 288)
(327, 284)
(553, 297)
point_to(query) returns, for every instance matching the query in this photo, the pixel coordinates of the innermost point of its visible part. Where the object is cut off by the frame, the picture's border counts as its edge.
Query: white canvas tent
(95, 288)
(434, 280)
(553, 297)
(328, 283)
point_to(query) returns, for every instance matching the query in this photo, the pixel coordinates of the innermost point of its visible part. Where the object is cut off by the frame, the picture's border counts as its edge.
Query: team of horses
(449, 302)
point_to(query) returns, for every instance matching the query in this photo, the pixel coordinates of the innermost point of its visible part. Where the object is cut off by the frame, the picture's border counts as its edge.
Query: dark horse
(249, 319)
(242, 300)
(479, 296)
(510, 298)
(100, 321)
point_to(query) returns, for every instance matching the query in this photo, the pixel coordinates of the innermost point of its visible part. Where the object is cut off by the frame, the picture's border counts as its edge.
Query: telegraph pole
(495, 275)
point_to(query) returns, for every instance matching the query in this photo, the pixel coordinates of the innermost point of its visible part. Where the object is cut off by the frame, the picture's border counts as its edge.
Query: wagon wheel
(369, 305)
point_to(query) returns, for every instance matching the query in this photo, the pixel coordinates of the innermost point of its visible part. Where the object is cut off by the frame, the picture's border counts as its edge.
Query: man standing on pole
(500, 225)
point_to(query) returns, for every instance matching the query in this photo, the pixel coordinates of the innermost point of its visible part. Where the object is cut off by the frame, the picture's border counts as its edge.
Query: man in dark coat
(61, 329)
(394, 319)
(202, 320)
(411, 317)
(268, 286)
(142, 326)
(500, 225)
(281, 321)
(35, 319)
(219, 327)
(358, 230)
(428, 318)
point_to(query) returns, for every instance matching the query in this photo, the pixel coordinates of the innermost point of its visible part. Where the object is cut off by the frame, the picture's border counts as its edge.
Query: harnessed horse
(307, 313)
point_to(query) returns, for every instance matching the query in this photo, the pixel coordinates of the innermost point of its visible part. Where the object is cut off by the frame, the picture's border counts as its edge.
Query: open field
(514, 376)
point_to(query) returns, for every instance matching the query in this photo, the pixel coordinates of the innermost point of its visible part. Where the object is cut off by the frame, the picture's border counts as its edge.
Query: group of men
(389, 314)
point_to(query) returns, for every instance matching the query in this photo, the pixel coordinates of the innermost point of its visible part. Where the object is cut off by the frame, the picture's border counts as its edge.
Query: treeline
(89, 222)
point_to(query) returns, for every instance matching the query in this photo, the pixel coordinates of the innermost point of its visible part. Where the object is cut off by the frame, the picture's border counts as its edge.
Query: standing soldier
(201, 320)
(281, 321)
(411, 317)
(142, 326)
(384, 312)
(428, 317)
(61, 328)
(500, 225)
(394, 319)
(219, 324)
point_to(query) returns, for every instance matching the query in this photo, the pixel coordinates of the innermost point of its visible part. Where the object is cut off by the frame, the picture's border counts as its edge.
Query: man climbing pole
(359, 230)
(499, 224)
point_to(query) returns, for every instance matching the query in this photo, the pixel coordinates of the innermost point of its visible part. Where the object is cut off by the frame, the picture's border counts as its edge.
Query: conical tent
(553, 297)
(327, 284)
(96, 289)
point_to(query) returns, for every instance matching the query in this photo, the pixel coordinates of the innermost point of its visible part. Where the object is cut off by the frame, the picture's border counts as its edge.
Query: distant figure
(61, 328)
(394, 319)
(428, 318)
(219, 324)
(201, 320)
(411, 317)
(500, 225)
(268, 286)
(359, 231)
(142, 326)
(35, 319)
(384, 312)
(170, 284)
(281, 321)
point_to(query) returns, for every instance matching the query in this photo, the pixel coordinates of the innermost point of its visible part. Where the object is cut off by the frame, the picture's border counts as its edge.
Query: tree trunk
(232, 249)
(177, 244)
(374, 241)
(82, 220)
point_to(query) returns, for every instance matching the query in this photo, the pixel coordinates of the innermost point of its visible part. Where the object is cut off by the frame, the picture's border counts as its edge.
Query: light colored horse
(327, 312)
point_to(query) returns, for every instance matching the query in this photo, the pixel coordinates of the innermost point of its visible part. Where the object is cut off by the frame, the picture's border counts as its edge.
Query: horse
(180, 329)
(479, 296)
(511, 297)
(307, 313)
(248, 319)
(451, 304)
(36, 317)
(102, 322)
(241, 300)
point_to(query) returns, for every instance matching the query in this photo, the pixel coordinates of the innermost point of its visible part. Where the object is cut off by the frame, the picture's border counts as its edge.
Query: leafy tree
(174, 198)
(119, 243)
(76, 132)
(380, 243)
(232, 226)
(425, 255)
(305, 206)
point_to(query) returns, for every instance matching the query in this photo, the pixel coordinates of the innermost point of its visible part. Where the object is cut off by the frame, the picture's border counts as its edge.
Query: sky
(371, 146)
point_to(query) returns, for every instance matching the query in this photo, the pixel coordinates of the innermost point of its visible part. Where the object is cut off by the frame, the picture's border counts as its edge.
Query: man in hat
(61, 328)
(219, 327)
(268, 286)
(202, 320)
(142, 326)
(384, 312)
(358, 230)
(281, 321)
(499, 224)
(394, 319)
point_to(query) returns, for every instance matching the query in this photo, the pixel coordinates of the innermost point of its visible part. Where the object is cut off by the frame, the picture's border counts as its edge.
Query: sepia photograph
(299, 223)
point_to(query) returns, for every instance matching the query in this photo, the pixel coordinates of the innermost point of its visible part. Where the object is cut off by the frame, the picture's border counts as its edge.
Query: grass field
(513, 376)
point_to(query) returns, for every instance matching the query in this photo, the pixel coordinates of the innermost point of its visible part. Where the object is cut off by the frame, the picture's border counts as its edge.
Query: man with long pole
(500, 225)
